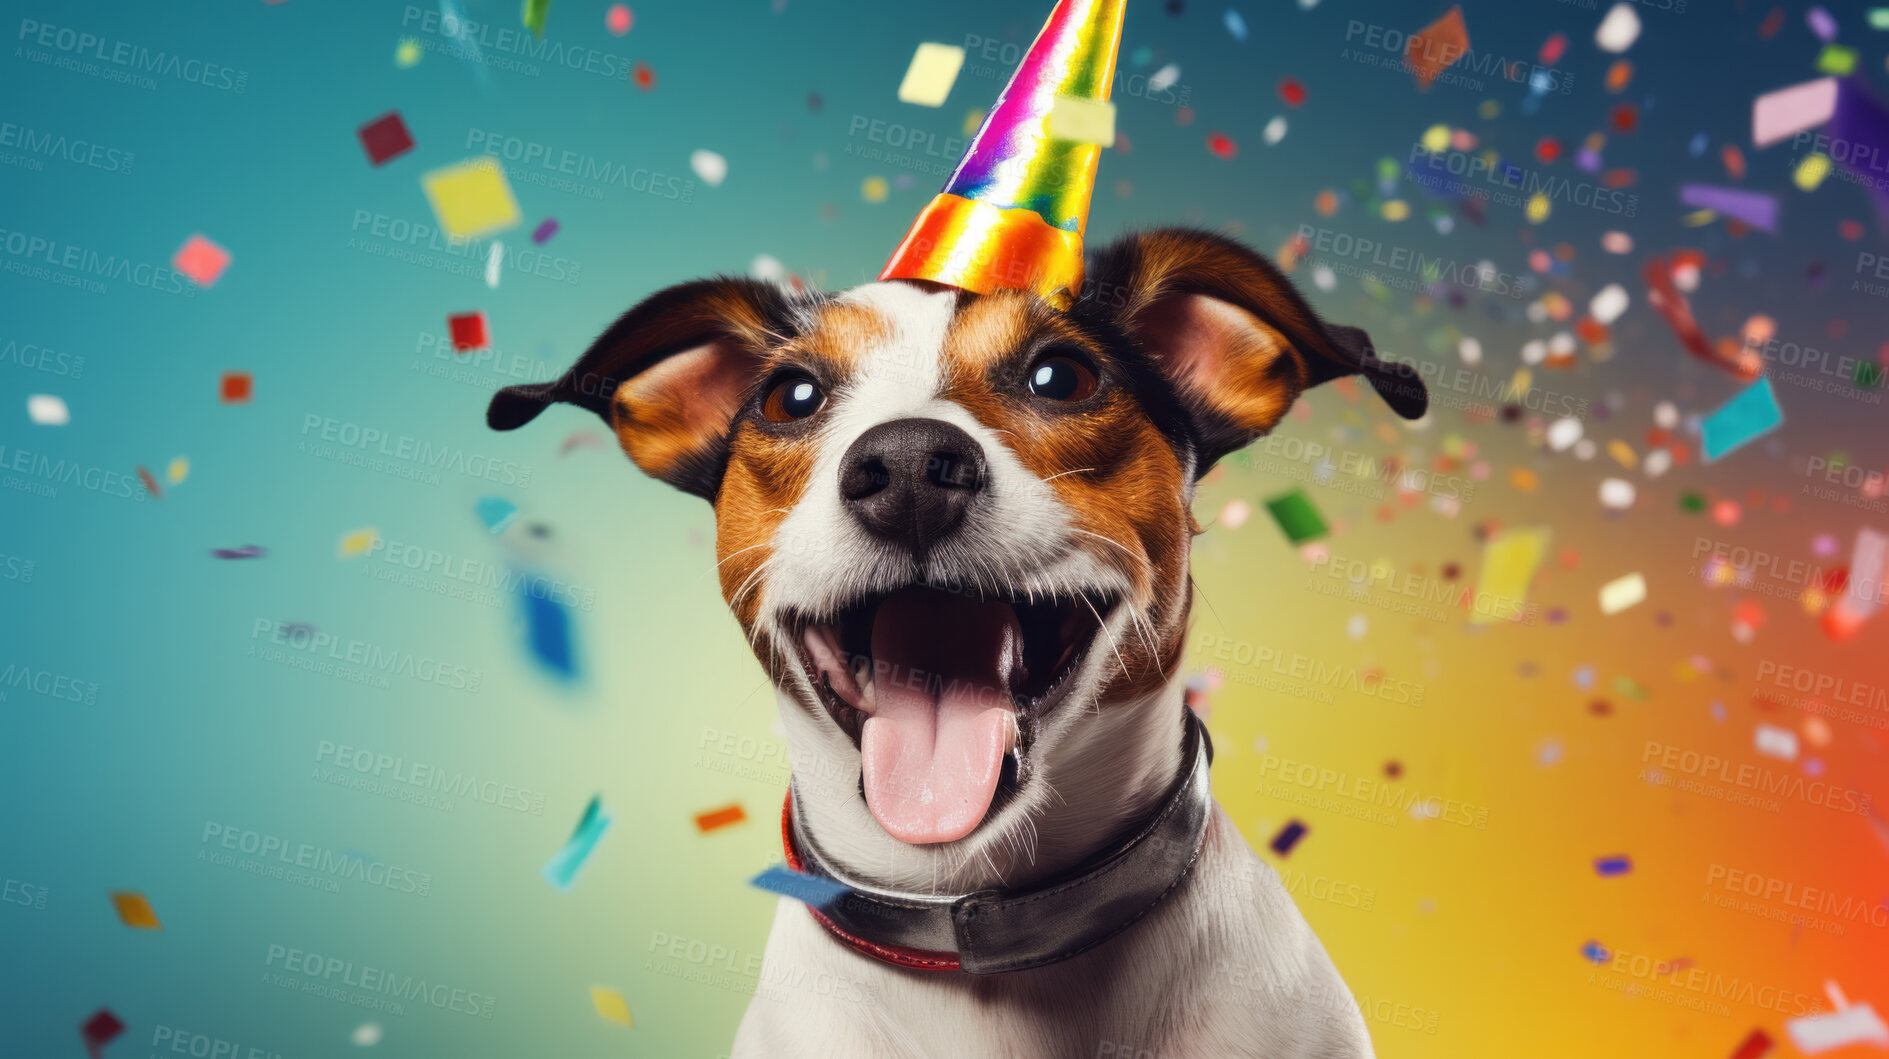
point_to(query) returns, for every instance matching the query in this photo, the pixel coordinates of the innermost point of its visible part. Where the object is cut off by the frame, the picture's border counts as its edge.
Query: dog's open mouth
(941, 690)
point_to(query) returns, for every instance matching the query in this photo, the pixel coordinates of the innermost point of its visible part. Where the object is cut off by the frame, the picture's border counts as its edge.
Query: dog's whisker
(1102, 625)
(1059, 474)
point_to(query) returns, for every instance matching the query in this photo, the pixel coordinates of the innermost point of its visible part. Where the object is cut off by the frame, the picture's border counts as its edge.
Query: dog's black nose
(909, 481)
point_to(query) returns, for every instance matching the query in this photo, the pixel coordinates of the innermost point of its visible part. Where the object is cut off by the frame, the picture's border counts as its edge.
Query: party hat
(1013, 213)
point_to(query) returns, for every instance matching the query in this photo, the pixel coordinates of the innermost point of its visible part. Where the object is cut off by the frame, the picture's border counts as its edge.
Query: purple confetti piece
(1752, 207)
(1606, 866)
(1288, 837)
(1822, 23)
(247, 551)
(545, 231)
(1595, 952)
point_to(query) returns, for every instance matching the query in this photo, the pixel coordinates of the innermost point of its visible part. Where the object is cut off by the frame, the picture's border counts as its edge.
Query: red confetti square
(1291, 91)
(99, 1030)
(1222, 145)
(644, 77)
(238, 387)
(468, 331)
(1756, 1046)
(385, 138)
(202, 260)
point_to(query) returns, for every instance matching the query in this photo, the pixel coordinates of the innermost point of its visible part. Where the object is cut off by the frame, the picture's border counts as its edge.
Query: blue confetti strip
(807, 889)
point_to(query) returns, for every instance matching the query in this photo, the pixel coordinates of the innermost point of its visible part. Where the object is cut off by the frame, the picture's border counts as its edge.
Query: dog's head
(955, 526)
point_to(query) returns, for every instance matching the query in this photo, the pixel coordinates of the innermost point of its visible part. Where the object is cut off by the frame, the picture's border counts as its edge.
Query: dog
(955, 528)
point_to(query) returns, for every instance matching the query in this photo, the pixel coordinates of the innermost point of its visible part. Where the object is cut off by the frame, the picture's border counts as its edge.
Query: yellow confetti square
(1623, 454)
(179, 470)
(1811, 171)
(358, 542)
(134, 910)
(471, 199)
(1083, 120)
(973, 121)
(407, 53)
(933, 71)
(610, 1004)
(1509, 562)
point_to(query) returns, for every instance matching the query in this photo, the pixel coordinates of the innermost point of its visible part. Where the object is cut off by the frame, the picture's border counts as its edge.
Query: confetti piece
(1595, 952)
(357, 542)
(644, 76)
(1869, 558)
(1083, 120)
(1436, 47)
(1222, 145)
(1772, 741)
(471, 199)
(1607, 305)
(1836, 59)
(545, 231)
(929, 77)
(535, 13)
(237, 387)
(618, 20)
(726, 816)
(496, 512)
(1616, 494)
(1779, 115)
(178, 470)
(561, 871)
(1618, 30)
(150, 483)
(1756, 1046)
(874, 189)
(1236, 25)
(48, 410)
(366, 1035)
(1822, 23)
(1610, 866)
(1274, 131)
(580, 439)
(1163, 79)
(610, 1004)
(807, 889)
(247, 551)
(385, 138)
(1745, 418)
(100, 1030)
(1288, 837)
(1622, 594)
(1235, 514)
(1509, 561)
(1665, 281)
(548, 633)
(407, 53)
(711, 167)
(494, 264)
(468, 331)
(135, 911)
(1752, 207)
(1879, 18)
(1291, 91)
(202, 260)
(1856, 1024)
(1811, 171)
(1297, 517)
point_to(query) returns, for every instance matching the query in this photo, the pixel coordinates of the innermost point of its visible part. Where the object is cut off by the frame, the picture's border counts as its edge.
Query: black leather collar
(992, 931)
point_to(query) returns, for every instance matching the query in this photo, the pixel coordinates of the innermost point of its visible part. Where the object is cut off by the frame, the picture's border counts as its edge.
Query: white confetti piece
(711, 167)
(1622, 594)
(48, 410)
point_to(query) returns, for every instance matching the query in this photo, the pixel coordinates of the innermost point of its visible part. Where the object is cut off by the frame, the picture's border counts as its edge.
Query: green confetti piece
(535, 12)
(1838, 60)
(1297, 517)
(1692, 502)
(1879, 18)
(1632, 689)
(1868, 375)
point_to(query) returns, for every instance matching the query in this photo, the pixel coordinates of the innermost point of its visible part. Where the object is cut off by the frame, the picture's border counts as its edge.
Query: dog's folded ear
(668, 376)
(1231, 335)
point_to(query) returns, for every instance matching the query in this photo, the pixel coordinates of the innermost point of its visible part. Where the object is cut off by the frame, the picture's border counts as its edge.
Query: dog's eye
(1060, 377)
(795, 397)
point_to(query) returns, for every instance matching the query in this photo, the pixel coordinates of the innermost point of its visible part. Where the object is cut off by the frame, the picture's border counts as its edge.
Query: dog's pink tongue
(942, 716)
